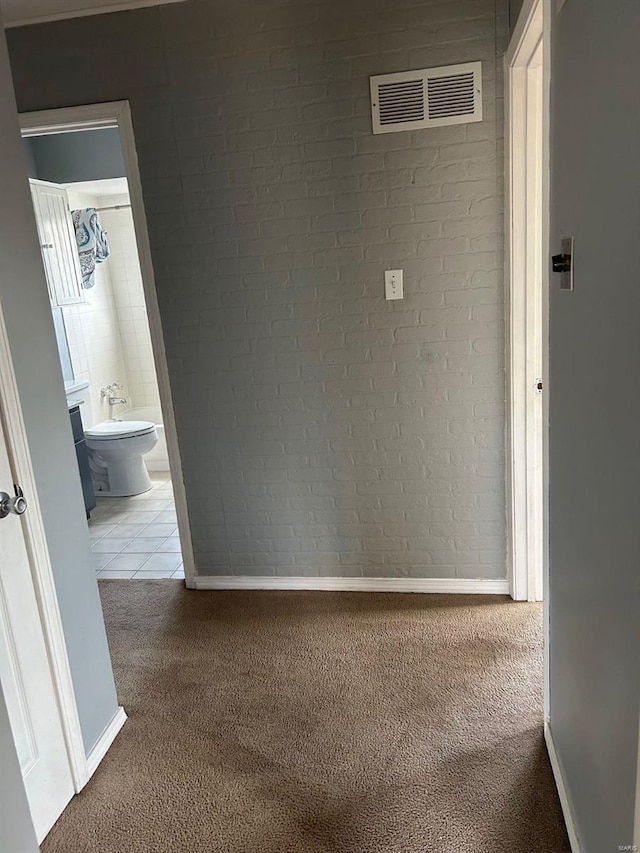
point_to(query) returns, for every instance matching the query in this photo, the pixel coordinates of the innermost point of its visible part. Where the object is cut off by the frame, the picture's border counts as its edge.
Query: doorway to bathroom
(87, 198)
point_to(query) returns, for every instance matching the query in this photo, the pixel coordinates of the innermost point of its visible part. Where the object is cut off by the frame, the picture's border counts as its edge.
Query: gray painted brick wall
(514, 11)
(323, 430)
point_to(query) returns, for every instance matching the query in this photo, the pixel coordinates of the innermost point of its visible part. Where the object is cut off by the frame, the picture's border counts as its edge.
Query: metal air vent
(432, 97)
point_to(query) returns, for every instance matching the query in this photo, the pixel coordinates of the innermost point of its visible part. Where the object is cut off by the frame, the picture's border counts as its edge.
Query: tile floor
(137, 537)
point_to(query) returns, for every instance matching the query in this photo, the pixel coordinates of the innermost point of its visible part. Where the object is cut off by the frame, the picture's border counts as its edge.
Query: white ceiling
(15, 13)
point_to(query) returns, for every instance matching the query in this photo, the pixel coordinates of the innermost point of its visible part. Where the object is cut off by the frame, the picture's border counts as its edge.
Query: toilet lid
(119, 429)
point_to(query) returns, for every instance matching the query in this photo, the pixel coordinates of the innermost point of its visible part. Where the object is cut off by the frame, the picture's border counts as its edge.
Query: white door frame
(527, 297)
(117, 114)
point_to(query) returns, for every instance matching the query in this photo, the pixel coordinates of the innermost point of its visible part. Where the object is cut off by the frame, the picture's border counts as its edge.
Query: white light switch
(393, 284)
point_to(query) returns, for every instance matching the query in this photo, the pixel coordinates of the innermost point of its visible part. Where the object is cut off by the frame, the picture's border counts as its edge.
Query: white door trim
(526, 285)
(40, 564)
(118, 114)
(563, 793)
(101, 747)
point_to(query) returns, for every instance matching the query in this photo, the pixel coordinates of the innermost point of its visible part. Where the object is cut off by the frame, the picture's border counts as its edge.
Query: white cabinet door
(25, 674)
(58, 243)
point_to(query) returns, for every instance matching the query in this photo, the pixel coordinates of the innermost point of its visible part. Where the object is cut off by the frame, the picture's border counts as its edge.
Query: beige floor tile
(141, 517)
(158, 505)
(143, 546)
(107, 574)
(154, 529)
(153, 574)
(167, 562)
(130, 530)
(127, 562)
(137, 536)
(97, 531)
(112, 544)
(139, 498)
(167, 517)
(115, 516)
(170, 545)
(99, 516)
(119, 505)
(101, 560)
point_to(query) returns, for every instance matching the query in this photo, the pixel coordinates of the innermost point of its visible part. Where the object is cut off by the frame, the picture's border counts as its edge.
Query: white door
(25, 674)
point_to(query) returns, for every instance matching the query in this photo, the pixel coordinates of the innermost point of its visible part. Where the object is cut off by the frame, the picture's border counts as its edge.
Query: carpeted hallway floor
(318, 722)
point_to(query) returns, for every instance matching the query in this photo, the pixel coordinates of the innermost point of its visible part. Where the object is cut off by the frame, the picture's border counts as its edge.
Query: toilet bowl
(116, 449)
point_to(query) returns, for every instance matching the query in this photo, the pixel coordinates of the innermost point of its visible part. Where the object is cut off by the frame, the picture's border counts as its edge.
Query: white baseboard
(105, 740)
(433, 585)
(565, 800)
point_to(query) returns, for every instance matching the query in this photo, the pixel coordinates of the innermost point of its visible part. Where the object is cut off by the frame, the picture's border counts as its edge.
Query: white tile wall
(130, 302)
(109, 338)
(94, 334)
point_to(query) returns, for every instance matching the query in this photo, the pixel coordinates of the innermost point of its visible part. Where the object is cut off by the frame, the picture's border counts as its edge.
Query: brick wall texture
(323, 430)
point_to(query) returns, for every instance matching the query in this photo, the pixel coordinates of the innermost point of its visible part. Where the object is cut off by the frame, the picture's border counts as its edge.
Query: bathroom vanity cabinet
(82, 455)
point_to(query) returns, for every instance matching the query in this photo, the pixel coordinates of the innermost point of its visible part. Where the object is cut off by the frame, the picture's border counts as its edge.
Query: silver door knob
(16, 505)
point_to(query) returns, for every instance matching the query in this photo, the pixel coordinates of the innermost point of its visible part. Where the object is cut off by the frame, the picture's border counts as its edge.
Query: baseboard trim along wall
(563, 794)
(434, 585)
(105, 740)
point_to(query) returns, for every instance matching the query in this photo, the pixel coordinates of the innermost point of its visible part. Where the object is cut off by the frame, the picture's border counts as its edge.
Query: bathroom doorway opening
(87, 196)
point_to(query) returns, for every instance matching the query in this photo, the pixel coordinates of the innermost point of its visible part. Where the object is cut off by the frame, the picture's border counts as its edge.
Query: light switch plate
(393, 284)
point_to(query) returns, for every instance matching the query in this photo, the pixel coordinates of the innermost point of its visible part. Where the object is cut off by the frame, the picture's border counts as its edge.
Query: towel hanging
(93, 246)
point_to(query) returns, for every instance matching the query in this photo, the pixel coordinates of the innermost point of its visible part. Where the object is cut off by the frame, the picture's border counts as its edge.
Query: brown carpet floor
(266, 722)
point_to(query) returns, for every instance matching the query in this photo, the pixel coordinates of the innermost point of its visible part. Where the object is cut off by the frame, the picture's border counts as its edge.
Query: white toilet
(116, 449)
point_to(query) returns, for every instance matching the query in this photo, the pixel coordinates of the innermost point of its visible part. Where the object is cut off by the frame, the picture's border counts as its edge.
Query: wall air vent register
(433, 97)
